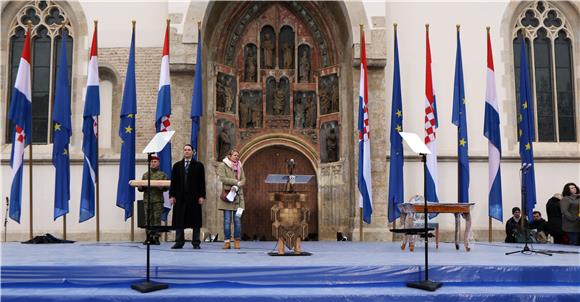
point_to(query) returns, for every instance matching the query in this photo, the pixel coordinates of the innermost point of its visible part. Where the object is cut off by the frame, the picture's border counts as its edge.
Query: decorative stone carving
(251, 109)
(329, 142)
(305, 114)
(328, 94)
(225, 93)
(286, 44)
(304, 64)
(268, 47)
(277, 96)
(225, 138)
(250, 63)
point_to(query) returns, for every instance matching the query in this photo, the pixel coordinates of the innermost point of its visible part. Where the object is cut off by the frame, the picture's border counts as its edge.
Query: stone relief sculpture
(329, 142)
(328, 94)
(286, 51)
(250, 63)
(287, 57)
(224, 139)
(310, 114)
(268, 48)
(225, 93)
(299, 110)
(304, 65)
(251, 109)
(277, 96)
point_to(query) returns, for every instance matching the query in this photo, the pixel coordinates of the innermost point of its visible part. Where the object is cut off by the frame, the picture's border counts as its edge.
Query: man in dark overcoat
(187, 194)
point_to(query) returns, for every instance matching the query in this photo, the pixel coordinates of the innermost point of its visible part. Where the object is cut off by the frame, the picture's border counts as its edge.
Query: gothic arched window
(549, 41)
(46, 18)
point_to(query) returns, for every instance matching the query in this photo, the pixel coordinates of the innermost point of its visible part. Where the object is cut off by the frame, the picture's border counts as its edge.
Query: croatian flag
(90, 142)
(20, 113)
(364, 140)
(491, 131)
(162, 122)
(431, 125)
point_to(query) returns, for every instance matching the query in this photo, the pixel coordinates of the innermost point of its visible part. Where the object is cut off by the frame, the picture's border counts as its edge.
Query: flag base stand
(149, 286)
(425, 285)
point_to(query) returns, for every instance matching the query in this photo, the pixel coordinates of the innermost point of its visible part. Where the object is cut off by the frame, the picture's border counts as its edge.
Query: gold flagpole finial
(427, 27)
(458, 26)
(395, 26)
(487, 28)
(134, 22)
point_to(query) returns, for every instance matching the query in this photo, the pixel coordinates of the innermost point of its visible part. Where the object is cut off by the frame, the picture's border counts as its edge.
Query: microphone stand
(148, 286)
(6, 219)
(524, 227)
(426, 284)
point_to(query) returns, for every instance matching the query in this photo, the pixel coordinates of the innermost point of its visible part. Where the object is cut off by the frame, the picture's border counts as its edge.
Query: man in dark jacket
(540, 225)
(513, 228)
(555, 219)
(187, 194)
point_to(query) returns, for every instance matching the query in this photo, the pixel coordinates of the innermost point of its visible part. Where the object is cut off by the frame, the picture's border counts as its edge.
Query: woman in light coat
(231, 174)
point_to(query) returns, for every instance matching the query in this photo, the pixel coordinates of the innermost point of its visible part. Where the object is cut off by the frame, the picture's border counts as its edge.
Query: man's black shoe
(177, 245)
(196, 247)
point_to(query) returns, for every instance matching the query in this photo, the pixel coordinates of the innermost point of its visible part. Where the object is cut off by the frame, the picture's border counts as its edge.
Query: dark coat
(513, 229)
(187, 189)
(554, 218)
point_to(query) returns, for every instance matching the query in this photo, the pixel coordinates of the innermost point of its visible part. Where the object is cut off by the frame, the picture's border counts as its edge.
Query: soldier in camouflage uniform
(155, 204)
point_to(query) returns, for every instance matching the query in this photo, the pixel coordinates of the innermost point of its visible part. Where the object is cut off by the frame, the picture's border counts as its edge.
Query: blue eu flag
(197, 98)
(61, 121)
(126, 193)
(396, 188)
(459, 119)
(526, 134)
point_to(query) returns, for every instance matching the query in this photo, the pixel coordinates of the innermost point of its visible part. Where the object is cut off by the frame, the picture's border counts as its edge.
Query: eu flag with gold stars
(126, 193)
(526, 134)
(459, 119)
(396, 187)
(61, 121)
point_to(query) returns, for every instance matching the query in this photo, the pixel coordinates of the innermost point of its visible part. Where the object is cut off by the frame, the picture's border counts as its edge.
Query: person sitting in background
(554, 214)
(540, 226)
(513, 228)
(570, 205)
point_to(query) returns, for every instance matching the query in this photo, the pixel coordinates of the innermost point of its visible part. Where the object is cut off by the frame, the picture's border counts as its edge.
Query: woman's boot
(237, 244)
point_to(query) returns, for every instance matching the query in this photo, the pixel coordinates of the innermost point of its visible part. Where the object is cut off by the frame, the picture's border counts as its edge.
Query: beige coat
(228, 178)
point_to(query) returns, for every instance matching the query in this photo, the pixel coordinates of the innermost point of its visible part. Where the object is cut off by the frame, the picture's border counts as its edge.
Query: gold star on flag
(65, 152)
(462, 142)
(128, 129)
(399, 113)
(520, 117)
(520, 132)
(525, 105)
(528, 147)
(463, 101)
(399, 128)
(56, 127)
(130, 115)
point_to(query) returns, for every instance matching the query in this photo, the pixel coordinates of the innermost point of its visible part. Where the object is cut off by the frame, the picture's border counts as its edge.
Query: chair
(416, 220)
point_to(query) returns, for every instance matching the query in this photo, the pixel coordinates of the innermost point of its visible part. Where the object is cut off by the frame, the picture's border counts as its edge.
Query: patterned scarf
(236, 166)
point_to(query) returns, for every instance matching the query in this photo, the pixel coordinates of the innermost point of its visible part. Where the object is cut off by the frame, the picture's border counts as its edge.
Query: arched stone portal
(279, 72)
(256, 221)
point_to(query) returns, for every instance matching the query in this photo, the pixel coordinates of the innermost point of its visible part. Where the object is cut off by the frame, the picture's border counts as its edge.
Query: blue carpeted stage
(337, 271)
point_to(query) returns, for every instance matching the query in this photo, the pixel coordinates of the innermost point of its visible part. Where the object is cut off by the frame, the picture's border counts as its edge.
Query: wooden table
(457, 209)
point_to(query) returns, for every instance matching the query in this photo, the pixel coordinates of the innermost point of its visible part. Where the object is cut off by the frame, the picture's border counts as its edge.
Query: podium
(155, 145)
(289, 213)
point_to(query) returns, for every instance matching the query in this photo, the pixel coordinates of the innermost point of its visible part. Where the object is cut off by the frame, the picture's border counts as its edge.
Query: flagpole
(168, 22)
(133, 208)
(62, 26)
(394, 225)
(97, 205)
(361, 234)
(31, 222)
(489, 224)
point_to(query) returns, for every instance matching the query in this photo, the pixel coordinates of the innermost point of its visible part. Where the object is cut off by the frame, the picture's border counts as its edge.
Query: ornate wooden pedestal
(289, 220)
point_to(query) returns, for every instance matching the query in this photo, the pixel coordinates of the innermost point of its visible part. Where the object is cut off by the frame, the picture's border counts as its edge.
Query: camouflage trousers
(156, 209)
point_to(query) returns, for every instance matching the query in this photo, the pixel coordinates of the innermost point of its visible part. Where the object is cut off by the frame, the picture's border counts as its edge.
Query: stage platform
(336, 271)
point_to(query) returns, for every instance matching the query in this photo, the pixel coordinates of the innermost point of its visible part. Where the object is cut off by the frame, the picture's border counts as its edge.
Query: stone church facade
(281, 80)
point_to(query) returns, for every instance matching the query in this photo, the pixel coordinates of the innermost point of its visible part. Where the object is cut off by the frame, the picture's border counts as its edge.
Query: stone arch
(108, 72)
(77, 20)
(571, 11)
(268, 140)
